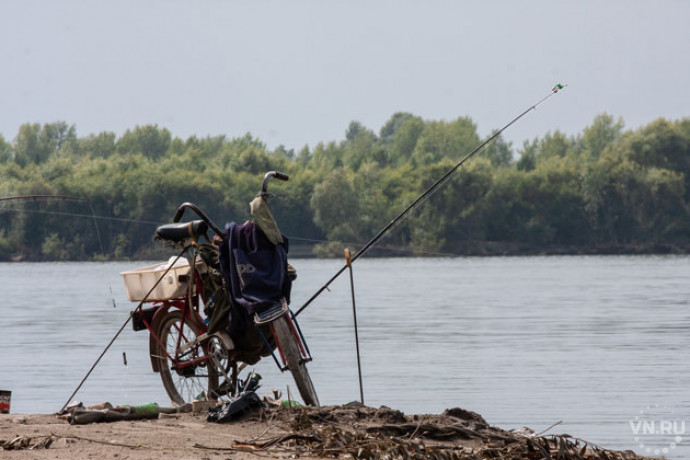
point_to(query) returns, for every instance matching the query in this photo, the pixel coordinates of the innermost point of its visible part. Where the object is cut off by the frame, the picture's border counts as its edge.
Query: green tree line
(604, 190)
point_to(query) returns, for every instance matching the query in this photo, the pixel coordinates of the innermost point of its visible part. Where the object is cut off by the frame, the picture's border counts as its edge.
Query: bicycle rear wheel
(285, 335)
(184, 381)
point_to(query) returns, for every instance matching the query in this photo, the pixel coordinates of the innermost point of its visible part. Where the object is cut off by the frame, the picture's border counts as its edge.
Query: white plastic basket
(139, 281)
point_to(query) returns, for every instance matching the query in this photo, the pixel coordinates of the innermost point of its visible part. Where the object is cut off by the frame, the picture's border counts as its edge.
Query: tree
(28, 147)
(6, 246)
(5, 150)
(54, 248)
(149, 140)
(441, 139)
(392, 127)
(98, 145)
(35, 143)
(553, 191)
(303, 157)
(360, 145)
(498, 151)
(254, 161)
(528, 156)
(554, 145)
(451, 218)
(336, 207)
(399, 137)
(660, 144)
(603, 132)
(326, 158)
(283, 153)
(55, 135)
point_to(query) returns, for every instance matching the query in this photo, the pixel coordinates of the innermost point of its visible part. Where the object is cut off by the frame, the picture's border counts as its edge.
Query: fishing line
(425, 196)
(70, 214)
(98, 232)
(59, 197)
(295, 238)
(67, 198)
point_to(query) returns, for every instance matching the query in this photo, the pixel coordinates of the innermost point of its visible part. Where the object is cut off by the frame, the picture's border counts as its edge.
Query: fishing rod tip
(558, 87)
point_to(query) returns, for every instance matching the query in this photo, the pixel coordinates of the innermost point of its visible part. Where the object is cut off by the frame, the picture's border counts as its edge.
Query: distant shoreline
(475, 249)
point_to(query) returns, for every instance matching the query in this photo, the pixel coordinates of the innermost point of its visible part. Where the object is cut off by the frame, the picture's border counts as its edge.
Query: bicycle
(191, 351)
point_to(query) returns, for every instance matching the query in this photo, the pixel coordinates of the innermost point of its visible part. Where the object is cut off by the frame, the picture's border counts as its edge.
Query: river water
(599, 344)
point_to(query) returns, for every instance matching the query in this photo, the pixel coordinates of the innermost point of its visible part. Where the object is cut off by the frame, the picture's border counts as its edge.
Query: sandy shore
(350, 431)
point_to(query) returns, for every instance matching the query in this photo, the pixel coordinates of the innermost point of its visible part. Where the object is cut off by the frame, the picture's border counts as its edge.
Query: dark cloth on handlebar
(223, 314)
(254, 269)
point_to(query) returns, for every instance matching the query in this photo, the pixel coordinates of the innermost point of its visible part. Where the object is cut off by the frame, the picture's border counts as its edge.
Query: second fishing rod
(425, 195)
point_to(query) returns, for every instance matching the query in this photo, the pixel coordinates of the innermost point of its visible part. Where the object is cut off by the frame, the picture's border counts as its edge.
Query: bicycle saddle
(177, 233)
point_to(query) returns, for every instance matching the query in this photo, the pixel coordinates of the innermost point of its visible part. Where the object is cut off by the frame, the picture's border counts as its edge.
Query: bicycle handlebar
(267, 177)
(205, 218)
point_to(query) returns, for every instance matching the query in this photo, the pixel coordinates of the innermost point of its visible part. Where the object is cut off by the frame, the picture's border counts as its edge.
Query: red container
(5, 398)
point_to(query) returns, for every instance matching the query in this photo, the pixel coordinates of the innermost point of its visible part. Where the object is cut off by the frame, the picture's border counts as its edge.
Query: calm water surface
(599, 343)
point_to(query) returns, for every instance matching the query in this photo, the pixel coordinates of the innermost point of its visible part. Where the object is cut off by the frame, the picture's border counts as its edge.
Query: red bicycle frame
(190, 312)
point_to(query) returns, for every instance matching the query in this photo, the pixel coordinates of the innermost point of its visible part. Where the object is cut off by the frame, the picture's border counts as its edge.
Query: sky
(298, 72)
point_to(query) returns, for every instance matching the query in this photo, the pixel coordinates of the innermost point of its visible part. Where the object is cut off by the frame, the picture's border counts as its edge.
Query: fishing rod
(42, 197)
(424, 196)
(72, 214)
(117, 334)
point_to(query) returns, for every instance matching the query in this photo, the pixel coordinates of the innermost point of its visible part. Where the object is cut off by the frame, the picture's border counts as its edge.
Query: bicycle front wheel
(287, 338)
(188, 374)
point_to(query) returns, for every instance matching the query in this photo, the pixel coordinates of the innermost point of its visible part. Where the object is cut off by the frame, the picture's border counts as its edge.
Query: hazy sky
(297, 72)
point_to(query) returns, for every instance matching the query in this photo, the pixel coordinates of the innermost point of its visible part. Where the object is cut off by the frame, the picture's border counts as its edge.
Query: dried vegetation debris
(28, 442)
(360, 432)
